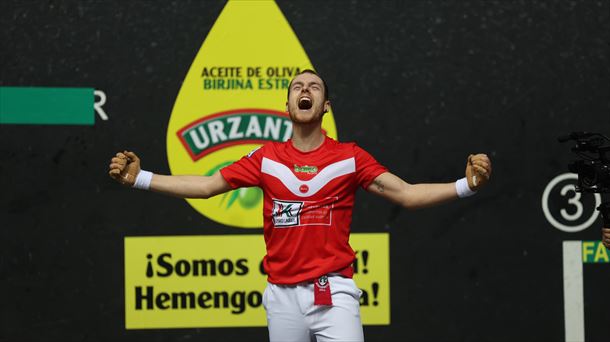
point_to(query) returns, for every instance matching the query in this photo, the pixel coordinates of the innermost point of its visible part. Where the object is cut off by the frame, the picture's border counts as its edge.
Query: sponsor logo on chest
(287, 214)
(312, 170)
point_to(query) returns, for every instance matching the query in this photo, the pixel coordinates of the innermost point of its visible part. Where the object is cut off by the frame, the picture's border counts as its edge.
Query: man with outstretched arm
(307, 215)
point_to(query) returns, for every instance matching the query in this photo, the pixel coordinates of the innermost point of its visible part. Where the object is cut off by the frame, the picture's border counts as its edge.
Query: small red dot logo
(304, 188)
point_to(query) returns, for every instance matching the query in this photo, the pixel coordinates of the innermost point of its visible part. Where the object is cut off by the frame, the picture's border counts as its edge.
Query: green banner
(46, 106)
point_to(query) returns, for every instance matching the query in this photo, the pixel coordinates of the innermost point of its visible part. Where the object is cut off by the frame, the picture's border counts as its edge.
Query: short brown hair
(310, 71)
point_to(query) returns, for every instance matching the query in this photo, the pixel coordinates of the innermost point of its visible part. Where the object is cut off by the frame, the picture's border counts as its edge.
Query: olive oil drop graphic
(233, 100)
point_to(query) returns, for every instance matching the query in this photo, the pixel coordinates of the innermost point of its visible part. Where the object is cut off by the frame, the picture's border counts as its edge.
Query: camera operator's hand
(606, 237)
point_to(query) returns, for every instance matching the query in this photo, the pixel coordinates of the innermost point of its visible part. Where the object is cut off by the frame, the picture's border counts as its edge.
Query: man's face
(306, 102)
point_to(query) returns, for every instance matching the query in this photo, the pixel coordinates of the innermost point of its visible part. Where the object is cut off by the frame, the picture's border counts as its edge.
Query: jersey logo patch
(312, 170)
(302, 213)
(293, 184)
(286, 213)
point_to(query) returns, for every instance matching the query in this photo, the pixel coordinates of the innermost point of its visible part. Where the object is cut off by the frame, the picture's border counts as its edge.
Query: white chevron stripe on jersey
(292, 183)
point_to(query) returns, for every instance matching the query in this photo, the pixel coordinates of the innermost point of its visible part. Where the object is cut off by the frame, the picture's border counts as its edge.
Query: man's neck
(307, 137)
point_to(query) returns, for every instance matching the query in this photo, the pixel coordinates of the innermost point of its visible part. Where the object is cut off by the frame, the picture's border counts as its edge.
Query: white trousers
(292, 316)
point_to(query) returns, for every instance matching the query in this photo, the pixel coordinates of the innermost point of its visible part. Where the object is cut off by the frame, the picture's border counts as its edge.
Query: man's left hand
(478, 171)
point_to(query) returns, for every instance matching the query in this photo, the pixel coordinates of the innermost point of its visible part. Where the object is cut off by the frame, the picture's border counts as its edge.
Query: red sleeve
(245, 172)
(367, 168)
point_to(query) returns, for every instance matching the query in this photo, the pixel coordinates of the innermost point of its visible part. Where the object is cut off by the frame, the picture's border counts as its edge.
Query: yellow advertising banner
(218, 280)
(233, 100)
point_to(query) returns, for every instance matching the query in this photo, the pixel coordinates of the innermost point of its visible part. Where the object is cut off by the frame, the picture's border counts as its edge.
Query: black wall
(419, 84)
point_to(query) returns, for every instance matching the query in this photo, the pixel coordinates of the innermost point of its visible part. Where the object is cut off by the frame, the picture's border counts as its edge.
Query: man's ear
(326, 106)
(287, 107)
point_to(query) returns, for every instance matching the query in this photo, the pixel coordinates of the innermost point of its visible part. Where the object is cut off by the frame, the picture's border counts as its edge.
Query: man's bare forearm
(415, 196)
(125, 168)
(412, 196)
(424, 195)
(185, 186)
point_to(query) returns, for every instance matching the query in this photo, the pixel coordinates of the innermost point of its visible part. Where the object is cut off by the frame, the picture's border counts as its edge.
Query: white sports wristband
(462, 188)
(143, 180)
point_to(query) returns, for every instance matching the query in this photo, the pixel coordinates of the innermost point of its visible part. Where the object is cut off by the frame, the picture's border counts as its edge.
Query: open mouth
(305, 103)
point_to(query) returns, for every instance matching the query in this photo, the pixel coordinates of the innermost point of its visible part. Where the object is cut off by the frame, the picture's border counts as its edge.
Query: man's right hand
(606, 237)
(124, 168)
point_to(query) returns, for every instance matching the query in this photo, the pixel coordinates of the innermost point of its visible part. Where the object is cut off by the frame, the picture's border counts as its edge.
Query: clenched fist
(124, 168)
(478, 171)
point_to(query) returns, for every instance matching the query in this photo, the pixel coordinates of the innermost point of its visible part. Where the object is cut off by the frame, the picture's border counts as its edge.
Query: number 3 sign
(571, 215)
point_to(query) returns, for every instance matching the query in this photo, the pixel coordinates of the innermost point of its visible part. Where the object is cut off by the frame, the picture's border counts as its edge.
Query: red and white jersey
(308, 201)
